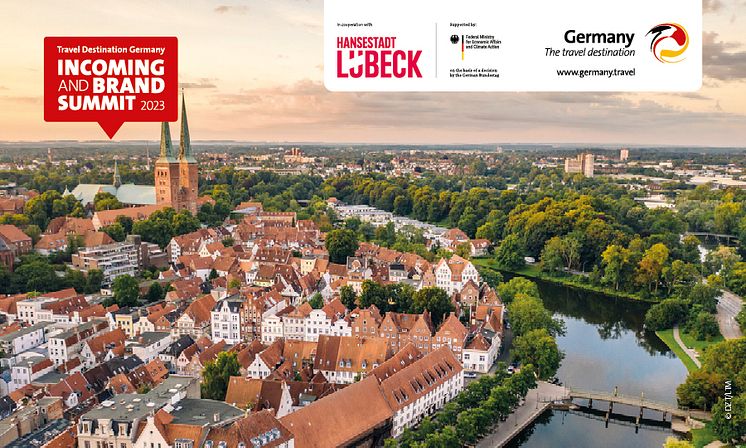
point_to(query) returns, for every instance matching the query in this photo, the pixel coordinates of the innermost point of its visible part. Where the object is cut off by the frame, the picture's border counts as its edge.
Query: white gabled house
(452, 274)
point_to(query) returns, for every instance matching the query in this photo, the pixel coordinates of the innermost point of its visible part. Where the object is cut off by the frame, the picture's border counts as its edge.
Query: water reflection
(605, 346)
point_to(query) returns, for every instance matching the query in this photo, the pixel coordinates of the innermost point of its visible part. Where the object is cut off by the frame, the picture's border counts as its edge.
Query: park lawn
(703, 437)
(667, 338)
(699, 346)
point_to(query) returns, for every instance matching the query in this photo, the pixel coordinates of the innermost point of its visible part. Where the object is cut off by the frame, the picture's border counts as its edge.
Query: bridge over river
(636, 401)
(547, 396)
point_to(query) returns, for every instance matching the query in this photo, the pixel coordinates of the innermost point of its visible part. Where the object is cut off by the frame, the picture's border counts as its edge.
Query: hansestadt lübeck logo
(668, 42)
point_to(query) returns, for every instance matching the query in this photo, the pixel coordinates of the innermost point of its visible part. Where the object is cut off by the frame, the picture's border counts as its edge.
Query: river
(605, 346)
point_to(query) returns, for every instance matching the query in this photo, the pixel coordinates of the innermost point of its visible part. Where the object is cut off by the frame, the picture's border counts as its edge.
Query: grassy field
(699, 346)
(702, 437)
(569, 280)
(667, 337)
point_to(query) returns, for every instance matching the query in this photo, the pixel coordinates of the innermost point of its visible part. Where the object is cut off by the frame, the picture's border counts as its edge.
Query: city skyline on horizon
(242, 86)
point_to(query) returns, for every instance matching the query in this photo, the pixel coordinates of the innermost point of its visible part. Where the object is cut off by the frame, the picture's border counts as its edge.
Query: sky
(252, 71)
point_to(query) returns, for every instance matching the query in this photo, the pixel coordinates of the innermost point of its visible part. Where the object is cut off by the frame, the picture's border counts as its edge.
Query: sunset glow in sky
(252, 71)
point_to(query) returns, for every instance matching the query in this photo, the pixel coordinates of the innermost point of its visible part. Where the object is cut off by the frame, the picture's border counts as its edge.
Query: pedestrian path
(689, 351)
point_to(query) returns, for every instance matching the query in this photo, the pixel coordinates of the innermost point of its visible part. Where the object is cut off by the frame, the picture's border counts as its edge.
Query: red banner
(110, 80)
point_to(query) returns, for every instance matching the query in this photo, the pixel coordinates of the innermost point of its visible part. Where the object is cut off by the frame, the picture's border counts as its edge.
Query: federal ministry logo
(669, 42)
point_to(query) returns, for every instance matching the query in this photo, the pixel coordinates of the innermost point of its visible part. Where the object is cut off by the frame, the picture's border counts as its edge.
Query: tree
(729, 359)
(741, 319)
(517, 285)
(673, 442)
(400, 297)
(463, 250)
(527, 313)
(683, 274)
(722, 260)
(720, 384)
(213, 274)
(216, 375)
(615, 263)
(348, 297)
(703, 295)
(373, 293)
(467, 427)
(539, 348)
(353, 223)
(650, 267)
(106, 201)
(34, 232)
(700, 390)
(435, 301)
(690, 249)
(727, 214)
(35, 274)
(704, 326)
(340, 244)
(126, 291)
(666, 314)
(316, 301)
(155, 293)
(184, 222)
(115, 231)
(551, 255)
(94, 279)
(126, 223)
(75, 279)
(737, 280)
(729, 419)
(509, 253)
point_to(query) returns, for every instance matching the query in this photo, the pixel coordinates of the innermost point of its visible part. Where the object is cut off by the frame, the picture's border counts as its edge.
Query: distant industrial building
(583, 163)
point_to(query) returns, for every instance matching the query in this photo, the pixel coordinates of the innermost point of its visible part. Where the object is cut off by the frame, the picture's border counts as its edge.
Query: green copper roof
(117, 178)
(129, 194)
(185, 144)
(167, 151)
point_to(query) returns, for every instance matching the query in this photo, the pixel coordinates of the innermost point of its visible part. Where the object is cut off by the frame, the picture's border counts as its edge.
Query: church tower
(117, 178)
(189, 176)
(166, 172)
(176, 178)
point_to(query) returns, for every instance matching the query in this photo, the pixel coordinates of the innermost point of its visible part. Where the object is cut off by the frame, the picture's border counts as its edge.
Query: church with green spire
(176, 176)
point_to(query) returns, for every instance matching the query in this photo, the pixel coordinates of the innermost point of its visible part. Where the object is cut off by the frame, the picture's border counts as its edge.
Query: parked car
(470, 374)
(511, 369)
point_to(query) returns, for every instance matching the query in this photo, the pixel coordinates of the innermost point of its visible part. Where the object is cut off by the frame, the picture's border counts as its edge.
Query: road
(537, 401)
(728, 307)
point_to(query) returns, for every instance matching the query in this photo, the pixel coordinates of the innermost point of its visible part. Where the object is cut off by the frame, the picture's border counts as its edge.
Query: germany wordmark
(574, 37)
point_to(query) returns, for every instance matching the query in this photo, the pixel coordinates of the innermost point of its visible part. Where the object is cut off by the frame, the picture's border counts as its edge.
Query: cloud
(21, 99)
(723, 60)
(711, 6)
(306, 109)
(201, 83)
(232, 9)
(692, 96)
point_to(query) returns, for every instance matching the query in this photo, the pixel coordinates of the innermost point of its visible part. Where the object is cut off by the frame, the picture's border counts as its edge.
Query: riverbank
(569, 280)
(537, 401)
(690, 342)
(667, 337)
